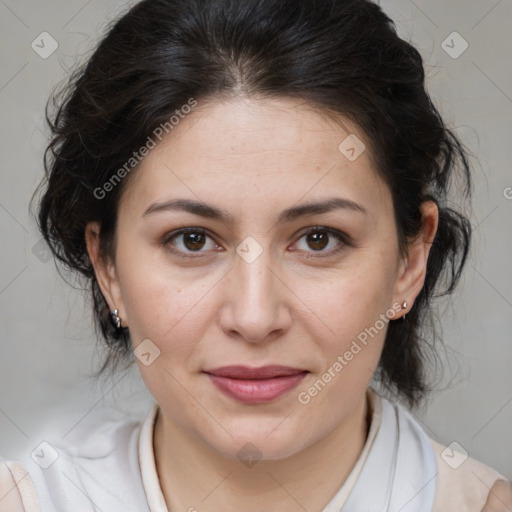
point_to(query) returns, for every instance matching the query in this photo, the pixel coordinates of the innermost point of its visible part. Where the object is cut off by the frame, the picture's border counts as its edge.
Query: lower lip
(254, 391)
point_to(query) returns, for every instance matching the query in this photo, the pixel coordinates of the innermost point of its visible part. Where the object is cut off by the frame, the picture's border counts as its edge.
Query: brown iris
(318, 238)
(193, 241)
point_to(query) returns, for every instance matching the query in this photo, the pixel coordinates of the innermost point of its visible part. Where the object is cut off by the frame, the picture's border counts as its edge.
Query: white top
(155, 498)
(113, 470)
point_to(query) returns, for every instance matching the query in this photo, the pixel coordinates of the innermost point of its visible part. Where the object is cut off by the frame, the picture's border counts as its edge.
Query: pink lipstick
(255, 385)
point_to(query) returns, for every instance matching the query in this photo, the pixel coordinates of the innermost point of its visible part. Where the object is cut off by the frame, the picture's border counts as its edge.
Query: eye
(190, 240)
(196, 240)
(320, 237)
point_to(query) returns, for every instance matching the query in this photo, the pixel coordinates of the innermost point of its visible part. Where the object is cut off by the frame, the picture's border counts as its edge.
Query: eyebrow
(212, 212)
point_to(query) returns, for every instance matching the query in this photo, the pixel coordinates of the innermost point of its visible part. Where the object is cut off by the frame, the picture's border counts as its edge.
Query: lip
(262, 372)
(255, 385)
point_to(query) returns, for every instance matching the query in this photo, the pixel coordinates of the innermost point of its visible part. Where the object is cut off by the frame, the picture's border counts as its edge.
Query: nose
(256, 307)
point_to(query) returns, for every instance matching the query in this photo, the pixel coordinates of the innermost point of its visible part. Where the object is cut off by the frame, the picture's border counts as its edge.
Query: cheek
(352, 300)
(349, 339)
(174, 306)
(163, 303)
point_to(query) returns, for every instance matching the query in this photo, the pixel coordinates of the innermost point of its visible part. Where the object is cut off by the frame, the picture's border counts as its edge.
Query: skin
(500, 497)
(291, 306)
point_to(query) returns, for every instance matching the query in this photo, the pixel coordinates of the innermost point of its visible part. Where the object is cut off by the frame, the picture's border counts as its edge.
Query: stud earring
(404, 306)
(116, 320)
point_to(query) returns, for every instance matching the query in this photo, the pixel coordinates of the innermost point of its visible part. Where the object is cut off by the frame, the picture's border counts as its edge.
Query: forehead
(269, 150)
(245, 127)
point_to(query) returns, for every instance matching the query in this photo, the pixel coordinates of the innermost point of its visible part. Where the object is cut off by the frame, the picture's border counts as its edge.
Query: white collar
(150, 482)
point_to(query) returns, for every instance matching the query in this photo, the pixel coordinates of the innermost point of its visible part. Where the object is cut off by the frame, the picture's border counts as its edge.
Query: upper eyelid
(343, 237)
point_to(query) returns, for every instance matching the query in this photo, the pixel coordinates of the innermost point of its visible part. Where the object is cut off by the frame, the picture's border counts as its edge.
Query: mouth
(255, 385)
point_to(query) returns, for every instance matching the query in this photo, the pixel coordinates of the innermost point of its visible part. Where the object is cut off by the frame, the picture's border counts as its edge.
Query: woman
(256, 193)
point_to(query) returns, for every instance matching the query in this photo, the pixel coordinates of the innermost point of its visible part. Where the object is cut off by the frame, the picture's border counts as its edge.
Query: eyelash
(344, 239)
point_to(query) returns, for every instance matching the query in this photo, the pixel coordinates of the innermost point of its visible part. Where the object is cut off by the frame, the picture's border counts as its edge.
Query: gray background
(47, 345)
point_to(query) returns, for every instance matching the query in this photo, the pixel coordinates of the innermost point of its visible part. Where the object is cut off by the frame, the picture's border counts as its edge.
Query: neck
(210, 482)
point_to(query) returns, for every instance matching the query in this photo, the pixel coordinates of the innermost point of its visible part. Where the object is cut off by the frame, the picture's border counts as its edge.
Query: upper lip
(262, 372)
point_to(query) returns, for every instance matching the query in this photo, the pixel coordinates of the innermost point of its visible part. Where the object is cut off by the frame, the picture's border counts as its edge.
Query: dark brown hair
(342, 56)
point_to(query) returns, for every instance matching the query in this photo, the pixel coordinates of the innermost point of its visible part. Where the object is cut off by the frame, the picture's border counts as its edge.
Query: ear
(413, 266)
(105, 271)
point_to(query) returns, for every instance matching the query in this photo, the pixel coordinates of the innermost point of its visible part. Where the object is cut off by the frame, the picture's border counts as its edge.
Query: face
(312, 290)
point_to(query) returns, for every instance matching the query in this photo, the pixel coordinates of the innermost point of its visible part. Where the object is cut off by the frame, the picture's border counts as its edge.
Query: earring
(116, 320)
(404, 306)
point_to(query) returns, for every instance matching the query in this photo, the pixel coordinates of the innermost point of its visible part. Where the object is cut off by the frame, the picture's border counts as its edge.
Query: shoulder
(97, 466)
(466, 484)
(462, 483)
(17, 493)
(500, 497)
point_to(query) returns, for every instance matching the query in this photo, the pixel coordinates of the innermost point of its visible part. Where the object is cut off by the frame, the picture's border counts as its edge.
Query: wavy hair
(342, 56)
